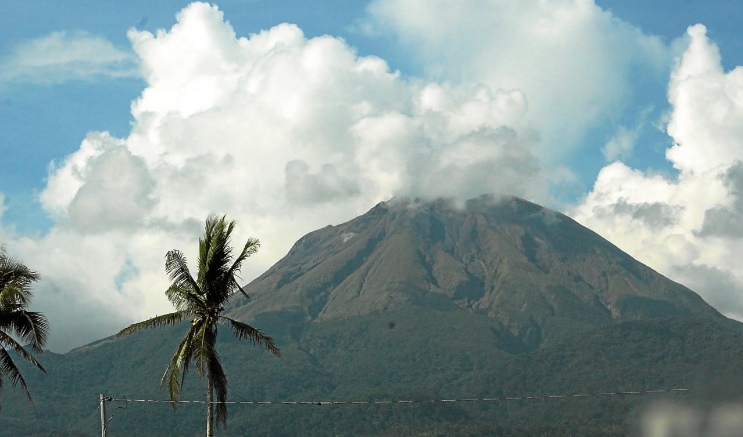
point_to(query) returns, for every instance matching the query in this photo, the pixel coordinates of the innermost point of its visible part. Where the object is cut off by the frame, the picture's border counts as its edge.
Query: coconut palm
(29, 327)
(202, 300)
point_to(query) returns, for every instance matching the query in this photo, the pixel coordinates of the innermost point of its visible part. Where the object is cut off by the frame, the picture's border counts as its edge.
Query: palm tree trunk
(209, 406)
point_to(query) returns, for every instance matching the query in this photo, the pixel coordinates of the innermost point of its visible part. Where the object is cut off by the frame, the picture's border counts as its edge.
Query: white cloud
(577, 64)
(282, 133)
(687, 227)
(62, 56)
(65, 181)
(621, 145)
(116, 193)
(286, 135)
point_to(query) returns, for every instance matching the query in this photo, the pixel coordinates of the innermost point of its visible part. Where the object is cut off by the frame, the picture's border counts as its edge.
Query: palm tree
(29, 327)
(203, 301)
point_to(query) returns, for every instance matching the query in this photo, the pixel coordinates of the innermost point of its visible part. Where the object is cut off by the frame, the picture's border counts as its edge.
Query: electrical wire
(496, 399)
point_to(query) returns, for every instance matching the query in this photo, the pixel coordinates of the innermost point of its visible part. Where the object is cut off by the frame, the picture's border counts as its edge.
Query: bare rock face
(540, 274)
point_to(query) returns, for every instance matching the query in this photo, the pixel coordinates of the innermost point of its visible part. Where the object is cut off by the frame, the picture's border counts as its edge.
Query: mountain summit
(540, 274)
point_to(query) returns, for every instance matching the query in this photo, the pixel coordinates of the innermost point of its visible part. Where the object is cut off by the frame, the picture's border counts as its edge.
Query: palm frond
(9, 369)
(13, 297)
(205, 348)
(219, 382)
(18, 268)
(216, 260)
(164, 320)
(251, 247)
(178, 365)
(243, 331)
(31, 327)
(8, 342)
(15, 282)
(184, 288)
(184, 299)
(207, 246)
(207, 358)
(222, 272)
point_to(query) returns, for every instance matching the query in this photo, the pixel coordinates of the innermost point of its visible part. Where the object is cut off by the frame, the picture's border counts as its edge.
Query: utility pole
(104, 424)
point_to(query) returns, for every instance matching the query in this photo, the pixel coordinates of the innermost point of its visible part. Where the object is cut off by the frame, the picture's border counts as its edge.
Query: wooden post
(104, 425)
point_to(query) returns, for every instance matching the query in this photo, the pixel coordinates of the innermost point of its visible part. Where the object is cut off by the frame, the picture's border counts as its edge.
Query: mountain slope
(427, 355)
(540, 274)
(496, 297)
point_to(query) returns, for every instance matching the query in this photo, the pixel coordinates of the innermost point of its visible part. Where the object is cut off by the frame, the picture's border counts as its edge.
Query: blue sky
(584, 107)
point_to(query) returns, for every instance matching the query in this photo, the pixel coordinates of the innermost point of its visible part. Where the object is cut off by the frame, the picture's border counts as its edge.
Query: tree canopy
(16, 322)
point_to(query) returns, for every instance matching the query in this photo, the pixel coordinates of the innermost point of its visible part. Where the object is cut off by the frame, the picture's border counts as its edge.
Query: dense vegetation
(426, 355)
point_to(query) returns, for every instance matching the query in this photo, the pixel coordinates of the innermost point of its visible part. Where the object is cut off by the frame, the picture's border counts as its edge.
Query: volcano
(422, 300)
(538, 273)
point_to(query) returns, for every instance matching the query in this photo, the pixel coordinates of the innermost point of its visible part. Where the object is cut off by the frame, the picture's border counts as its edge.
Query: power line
(427, 401)
(104, 399)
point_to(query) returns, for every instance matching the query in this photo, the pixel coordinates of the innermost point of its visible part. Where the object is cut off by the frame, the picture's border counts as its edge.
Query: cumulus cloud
(577, 64)
(116, 193)
(62, 56)
(287, 134)
(724, 220)
(720, 287)
(284, 134)
(655, 215)
(686, 227)
(324, 186)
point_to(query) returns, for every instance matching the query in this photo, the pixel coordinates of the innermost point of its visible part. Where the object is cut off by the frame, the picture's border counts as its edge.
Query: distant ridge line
(320, 403)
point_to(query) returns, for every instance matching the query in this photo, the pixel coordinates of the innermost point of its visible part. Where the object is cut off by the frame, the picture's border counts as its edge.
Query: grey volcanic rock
(540, 274)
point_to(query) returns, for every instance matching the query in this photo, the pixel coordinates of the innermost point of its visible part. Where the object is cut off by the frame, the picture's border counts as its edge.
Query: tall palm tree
(202, 299)
(29, 327)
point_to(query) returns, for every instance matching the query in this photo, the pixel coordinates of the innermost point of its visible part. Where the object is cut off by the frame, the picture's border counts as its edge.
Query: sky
(124, 124)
